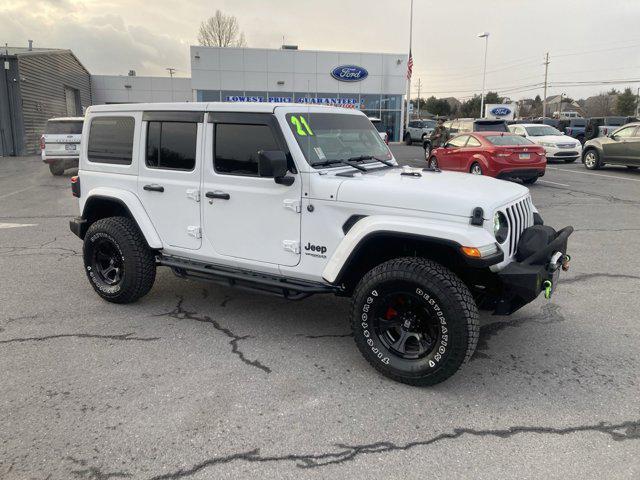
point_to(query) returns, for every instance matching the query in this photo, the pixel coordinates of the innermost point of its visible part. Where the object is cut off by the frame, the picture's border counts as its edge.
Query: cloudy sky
(593, 41)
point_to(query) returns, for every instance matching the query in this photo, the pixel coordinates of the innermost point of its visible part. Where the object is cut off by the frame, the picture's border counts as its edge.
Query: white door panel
(250, 217)
(172, 198)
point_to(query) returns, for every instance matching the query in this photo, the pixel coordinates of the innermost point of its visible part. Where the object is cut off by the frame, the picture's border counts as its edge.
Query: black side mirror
(273, 164)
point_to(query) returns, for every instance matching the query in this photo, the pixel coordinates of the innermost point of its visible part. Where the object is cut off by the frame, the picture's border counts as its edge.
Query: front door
(169, 177)
(616, 149)
(246, 216)
(633, 148)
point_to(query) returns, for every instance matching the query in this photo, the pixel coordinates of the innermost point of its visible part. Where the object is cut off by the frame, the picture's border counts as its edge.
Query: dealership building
(372, 82)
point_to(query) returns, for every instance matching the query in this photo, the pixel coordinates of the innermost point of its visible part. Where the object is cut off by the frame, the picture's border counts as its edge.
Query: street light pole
(484, 35)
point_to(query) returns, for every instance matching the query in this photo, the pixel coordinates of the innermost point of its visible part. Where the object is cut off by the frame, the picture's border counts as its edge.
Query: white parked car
(557, 145)
(419, 131)
(298, 200)
(60, 143)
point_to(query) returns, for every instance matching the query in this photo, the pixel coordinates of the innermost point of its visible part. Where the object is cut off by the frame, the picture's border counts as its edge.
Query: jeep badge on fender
(415, 249)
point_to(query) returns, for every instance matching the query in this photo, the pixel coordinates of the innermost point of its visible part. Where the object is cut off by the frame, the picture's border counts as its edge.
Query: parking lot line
(595, 174)
(16, 225)
(554, 183)
(17, 191)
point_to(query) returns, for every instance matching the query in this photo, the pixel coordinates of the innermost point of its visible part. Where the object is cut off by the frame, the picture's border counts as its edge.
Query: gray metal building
(37, 84)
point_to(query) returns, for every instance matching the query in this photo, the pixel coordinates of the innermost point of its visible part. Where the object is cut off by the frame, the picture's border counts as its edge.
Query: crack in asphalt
(94, 473)
(588, 276)
(180, 313)
(550, 314)
(42, 249)
(609, 198)
(126, 337)
(628, 430)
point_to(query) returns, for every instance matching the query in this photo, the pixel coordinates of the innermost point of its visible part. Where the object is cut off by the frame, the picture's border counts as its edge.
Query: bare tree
(221, 31)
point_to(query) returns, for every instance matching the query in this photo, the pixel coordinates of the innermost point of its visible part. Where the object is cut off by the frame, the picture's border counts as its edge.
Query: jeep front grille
(519, 216)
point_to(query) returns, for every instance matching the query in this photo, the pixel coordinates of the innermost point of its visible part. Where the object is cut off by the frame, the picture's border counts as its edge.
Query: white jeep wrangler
(297, 200)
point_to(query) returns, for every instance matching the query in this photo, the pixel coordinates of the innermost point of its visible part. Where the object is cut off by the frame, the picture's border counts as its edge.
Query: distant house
(37, 84)
(559, 103)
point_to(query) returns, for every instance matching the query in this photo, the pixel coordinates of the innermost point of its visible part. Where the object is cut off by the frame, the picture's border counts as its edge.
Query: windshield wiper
(370, 157)
(340, 161)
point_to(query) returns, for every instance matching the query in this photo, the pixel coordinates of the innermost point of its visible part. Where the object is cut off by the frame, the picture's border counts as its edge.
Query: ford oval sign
(500, 111)
(349, 73)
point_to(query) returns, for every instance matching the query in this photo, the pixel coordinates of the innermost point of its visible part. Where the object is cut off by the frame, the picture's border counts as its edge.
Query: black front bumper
(523, 281)
(78, 226)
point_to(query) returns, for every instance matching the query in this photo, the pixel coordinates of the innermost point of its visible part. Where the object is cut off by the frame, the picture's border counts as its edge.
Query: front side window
(237, 145)
(325, 137)
(111, 140)
(171, 145)
(66, 127)
(458, 141)
(625, 132)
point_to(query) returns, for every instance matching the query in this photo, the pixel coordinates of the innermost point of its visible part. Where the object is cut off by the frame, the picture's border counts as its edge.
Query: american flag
(409, 66)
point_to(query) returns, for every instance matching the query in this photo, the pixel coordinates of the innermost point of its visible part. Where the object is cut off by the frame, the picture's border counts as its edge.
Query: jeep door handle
(154, 188)
(220, 195)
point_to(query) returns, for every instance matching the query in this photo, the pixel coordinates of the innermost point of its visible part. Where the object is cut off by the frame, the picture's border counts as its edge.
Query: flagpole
(408, 77)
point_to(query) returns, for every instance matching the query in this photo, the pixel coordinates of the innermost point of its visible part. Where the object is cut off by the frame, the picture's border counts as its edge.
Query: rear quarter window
(63, 128)
(111, 140)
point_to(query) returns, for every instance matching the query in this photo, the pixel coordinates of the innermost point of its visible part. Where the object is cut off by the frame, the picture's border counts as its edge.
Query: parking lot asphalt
(198, 381)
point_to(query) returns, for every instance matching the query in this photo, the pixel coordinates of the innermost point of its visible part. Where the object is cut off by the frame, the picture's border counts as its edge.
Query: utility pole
(484, 35)
(546, 76)
(638, 103)
(171, 71)
(419, 85)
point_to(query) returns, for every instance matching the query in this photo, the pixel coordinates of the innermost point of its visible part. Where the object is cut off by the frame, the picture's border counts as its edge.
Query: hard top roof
(249, 107)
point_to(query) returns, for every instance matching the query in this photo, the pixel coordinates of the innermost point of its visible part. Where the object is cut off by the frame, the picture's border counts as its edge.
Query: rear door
(169, 175)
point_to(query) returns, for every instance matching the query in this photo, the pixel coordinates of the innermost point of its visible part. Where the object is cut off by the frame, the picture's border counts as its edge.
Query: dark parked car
(622, 147)
(603, 126)
(468, 125)
(575, 128)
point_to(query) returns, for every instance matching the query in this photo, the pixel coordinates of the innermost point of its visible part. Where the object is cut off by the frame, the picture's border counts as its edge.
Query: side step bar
(291, 289)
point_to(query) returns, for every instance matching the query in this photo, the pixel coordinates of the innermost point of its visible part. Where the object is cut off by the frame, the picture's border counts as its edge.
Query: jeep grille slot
(519, 216)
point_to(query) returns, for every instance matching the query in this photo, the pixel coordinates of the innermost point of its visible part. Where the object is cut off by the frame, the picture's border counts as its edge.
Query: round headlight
(500, 227)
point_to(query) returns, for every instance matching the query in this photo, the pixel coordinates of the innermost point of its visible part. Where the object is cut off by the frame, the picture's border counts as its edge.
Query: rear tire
(119, 265)
(407, 139)
(56, 169)
(414, 321)
(529, 181)
(592, 160)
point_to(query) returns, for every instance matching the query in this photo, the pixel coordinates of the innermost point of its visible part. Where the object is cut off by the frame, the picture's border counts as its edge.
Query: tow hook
(548, 286)
(565, 262)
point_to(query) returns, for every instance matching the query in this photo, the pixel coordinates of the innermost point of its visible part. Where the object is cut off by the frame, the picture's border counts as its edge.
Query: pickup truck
(603, 126)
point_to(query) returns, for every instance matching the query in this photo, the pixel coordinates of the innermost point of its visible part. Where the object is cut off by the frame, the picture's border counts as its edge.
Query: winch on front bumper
(542, 253)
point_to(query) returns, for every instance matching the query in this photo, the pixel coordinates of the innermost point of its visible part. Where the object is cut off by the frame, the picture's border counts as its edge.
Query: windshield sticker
(302, 127)
(320, 153)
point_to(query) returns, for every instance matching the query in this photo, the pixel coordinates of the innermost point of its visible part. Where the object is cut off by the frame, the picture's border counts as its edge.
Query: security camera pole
(484, 35)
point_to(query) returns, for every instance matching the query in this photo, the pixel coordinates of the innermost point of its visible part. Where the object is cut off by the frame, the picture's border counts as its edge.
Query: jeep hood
(449, 193)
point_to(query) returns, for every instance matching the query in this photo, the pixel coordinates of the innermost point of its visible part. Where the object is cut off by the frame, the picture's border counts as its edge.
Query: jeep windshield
(328, 138)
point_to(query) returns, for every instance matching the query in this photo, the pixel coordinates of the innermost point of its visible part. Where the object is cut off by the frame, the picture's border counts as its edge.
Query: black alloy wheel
(107, 262)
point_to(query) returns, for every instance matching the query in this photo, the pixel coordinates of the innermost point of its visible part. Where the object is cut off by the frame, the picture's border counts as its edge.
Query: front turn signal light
(472, 252)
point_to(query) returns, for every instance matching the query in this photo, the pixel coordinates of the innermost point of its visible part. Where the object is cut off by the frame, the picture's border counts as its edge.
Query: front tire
(592, 160)
(476, 169)
(119, 265)
(433, 163)
(414, 321)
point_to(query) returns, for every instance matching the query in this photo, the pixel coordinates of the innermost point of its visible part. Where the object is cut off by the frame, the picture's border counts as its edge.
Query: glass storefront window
(390, 102)
(392, 122)
(369, 102)
(208, 95)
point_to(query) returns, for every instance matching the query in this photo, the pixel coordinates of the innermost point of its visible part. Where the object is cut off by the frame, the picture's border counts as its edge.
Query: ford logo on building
(500, 111)
(349, 73)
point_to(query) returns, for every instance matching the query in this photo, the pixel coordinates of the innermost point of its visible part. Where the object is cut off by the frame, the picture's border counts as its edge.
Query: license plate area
(524, 156)
(69, 147)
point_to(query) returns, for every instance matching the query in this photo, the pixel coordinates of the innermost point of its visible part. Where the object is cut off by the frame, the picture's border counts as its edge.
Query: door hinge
(193, 194)
(194, 231)
(295, 205)
(291, 246)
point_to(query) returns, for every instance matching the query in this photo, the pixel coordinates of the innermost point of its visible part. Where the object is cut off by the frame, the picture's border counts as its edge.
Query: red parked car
(497, 154)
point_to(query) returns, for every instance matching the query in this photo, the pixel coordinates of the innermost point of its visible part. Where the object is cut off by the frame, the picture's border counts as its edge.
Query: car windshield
(325, 137)
(542, 130)
(498, 126)
(429, 124)
(63, 127)
(505, 140)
